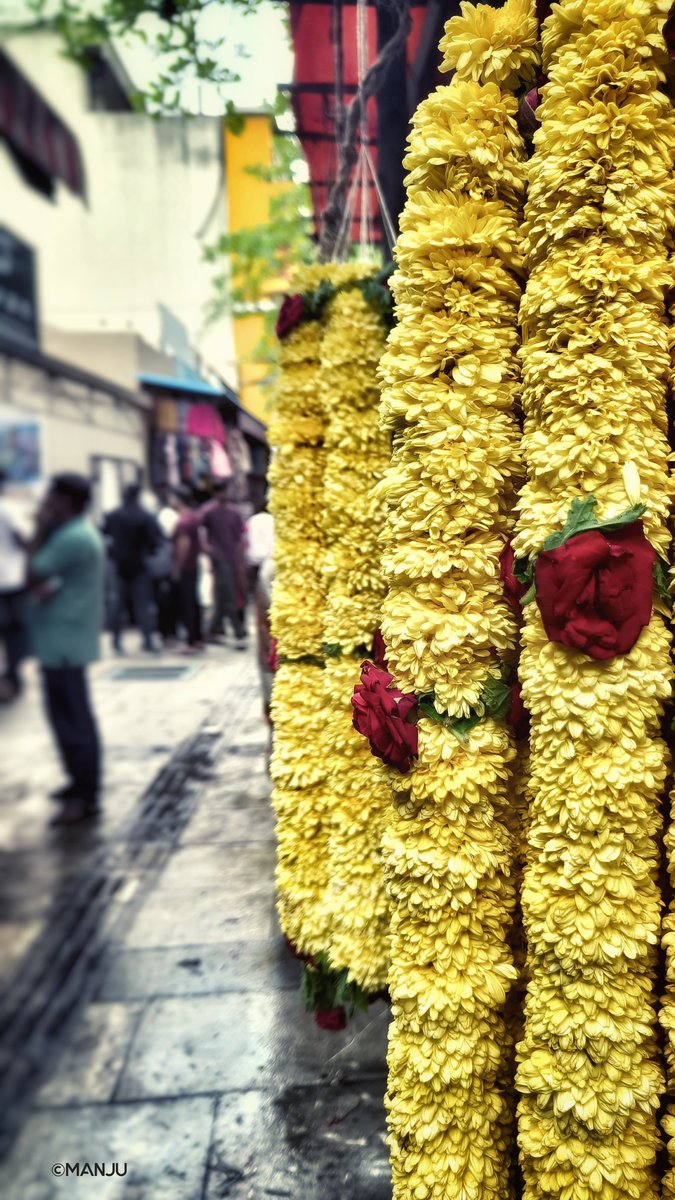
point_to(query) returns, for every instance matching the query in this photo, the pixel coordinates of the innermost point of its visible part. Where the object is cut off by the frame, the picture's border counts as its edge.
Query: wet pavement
(150, 1015)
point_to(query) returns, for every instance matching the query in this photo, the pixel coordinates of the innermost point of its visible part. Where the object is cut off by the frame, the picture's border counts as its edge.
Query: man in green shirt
(67, 584)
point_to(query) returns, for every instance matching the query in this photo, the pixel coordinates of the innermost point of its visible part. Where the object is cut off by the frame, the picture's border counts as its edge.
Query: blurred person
(66, 579)
(167, 516)
(223, 531)
(185, 568)
(133, 535)
(267, 645)
(259, 540)
(160, 564)
(13, 579)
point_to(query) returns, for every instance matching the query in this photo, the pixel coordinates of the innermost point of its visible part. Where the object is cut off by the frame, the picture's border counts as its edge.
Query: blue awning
(205, 391)
(190, 387)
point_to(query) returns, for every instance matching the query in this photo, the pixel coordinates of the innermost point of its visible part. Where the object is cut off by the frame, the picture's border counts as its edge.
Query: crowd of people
(180, 574)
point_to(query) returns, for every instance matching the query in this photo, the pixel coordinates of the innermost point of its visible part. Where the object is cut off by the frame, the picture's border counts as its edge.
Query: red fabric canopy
(34, 132)
(325, 38)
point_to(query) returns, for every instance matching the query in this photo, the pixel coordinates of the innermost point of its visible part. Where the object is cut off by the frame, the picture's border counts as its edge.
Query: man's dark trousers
(69, 710)
(134, 596)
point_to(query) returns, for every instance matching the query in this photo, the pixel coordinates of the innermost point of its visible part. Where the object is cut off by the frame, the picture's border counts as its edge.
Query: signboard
(21, 450)
(18, 304)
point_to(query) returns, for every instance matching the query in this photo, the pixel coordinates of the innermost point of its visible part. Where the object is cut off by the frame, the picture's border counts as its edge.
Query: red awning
(43, 145)
(325, 41)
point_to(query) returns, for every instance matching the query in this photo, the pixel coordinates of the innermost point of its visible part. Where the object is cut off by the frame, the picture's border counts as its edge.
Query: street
(150, 1019)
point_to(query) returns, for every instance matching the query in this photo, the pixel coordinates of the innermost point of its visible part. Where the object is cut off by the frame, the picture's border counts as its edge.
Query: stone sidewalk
(151, 1016)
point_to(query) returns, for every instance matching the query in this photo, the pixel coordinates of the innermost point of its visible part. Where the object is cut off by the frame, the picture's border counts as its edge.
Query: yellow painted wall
(248, 205)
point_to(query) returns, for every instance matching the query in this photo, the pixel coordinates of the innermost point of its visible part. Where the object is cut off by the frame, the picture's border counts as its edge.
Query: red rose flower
(291, 314)
(528, 115)
(384, 714)
(331, 1018)
(513, 588)
(379, 654)
(595, 592)
(518, 717)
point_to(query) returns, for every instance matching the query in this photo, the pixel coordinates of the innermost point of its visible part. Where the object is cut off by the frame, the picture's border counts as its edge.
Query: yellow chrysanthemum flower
(493, 45)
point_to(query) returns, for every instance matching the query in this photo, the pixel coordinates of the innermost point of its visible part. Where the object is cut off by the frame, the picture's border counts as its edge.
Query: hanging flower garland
(450, 384)
(296, 487)
(667, 1011)
(595, 667)
(328, 451)
(357, 452)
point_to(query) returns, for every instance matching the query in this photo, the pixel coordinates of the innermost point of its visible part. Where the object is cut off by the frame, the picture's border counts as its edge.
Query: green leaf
(661, 581)
(523, 569)
(322, 987)
(496, 698)
(312, 659)
(580, 519)
(316, 301)
(530, 595)
(235, 122)
(462, 726)
(378, 295)
(332, 649)
(426, 705)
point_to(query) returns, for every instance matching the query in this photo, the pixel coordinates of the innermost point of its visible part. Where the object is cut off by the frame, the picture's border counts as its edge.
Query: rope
(362, 67)
(389, 227)
(342, 238)
(348, 151)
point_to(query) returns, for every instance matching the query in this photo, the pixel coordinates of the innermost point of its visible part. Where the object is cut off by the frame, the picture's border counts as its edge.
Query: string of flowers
(357, 451)
(667, 1011)
(296, 486)
(595, 667)
(450, 383)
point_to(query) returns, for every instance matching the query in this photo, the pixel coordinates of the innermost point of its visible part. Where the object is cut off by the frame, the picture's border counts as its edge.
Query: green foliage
(186, 54)
(332, 649)
(582, 519)
(495, 702)
(323, 988)
(523, 569)
(377, 293)
(312, 660)
(496, 698)
(251, 257)
(662, 582)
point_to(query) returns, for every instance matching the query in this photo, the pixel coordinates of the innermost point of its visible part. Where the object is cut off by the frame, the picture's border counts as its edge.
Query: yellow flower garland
(329, 794)
(667, 1012)
(296, 488)
(450, 380)
(595, 365)
(357, 451)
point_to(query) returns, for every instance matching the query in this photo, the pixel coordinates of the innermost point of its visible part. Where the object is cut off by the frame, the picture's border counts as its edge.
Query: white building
(130, 259)
(122, 281)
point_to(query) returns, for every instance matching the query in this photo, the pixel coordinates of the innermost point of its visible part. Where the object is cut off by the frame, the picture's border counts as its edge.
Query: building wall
(83, 427)
(154, 200)
(121, 357)
(249, 205)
